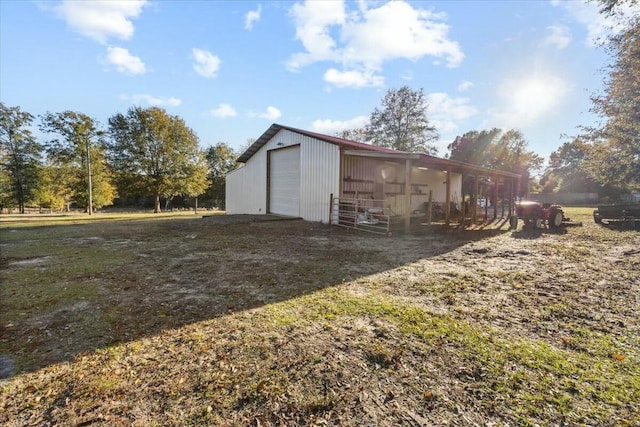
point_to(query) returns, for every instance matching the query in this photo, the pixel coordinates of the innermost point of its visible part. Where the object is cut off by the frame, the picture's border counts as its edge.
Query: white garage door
(284, 181)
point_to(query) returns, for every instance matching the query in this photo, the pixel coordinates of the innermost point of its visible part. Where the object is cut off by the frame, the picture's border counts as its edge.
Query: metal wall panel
(319, 177)
(246, 190)
(284, 181)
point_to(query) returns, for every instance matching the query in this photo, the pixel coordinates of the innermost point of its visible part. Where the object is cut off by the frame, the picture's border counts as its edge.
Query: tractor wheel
(538, 222)
(555, 219)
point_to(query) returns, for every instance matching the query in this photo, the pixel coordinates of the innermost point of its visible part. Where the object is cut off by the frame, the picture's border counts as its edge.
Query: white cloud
(155, 101)
(397, 30)
(206, 63)
(407, 75)
(363, 40)
(559, 36)
(353, 78)
(331, 127)
(124, 61)
(100, 20)
(465, 85)
(252, 17)
(597, 24)
(223, 111)
(272, 113)
(444, 112)
(529, 99)
(313, 21)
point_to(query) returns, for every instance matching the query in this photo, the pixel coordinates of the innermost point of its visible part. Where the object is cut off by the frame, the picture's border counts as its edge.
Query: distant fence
(27, 211)
(631, 198)
(567, 198)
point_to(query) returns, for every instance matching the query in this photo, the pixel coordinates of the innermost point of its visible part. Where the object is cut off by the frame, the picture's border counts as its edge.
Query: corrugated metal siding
(319, 178)
(246, 190)
(284, 181)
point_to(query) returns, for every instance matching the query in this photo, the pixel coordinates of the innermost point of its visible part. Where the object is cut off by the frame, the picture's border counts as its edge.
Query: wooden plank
(407, 197)
(474, 214)
(447, 204)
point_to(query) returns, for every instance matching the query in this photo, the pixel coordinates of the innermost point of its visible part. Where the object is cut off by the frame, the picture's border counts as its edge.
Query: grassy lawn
(183, 320)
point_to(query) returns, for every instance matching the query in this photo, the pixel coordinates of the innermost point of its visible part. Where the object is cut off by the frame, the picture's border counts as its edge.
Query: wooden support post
(486, 205)
(504, 196)
(474, 213)
(495, 197)
(430, 207)
(447, 205)
(511, 196)
(330, 208)
(407, 196)
(463, 211)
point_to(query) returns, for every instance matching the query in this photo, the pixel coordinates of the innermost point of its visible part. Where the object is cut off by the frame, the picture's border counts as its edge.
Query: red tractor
(538, 214)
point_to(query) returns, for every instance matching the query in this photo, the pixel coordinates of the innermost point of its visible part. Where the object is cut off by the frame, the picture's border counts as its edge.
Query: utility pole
(89, 178)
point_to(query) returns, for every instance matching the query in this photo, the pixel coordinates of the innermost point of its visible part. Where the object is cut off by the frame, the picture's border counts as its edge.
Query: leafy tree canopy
(507, 151)
(496, 149)
(77, 140)
(20, 157)
(567, 168)
(614, 158)
(401, 122)
(356, 134)
(222, 160)
(157, 151)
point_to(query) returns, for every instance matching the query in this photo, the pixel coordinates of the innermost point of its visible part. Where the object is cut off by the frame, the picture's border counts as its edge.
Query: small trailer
(618, 213)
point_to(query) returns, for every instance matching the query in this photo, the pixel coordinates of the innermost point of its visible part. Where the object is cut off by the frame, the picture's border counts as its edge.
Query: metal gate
(361, 214)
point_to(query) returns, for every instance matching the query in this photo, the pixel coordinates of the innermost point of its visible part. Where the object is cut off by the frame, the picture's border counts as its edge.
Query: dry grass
(189, 321)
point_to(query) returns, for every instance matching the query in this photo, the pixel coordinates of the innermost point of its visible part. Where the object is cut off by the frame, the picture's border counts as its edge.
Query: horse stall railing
(360, 214)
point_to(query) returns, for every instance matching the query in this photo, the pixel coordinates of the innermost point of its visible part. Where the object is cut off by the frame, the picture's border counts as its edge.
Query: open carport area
(229, 320)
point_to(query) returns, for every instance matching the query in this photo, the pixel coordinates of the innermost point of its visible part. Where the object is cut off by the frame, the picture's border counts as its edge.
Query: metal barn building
(293, 172)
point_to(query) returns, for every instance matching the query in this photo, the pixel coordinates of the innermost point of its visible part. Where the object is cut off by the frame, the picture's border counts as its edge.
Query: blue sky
(231, 68)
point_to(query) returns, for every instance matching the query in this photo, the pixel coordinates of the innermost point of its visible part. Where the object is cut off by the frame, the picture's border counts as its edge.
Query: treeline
(143, 157)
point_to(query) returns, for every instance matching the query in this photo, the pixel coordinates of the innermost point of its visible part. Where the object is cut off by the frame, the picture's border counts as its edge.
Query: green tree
(474, 147)
(401, 122)
(507, 151)
(56, 191)
(6, 195)
(159, 152)
(567, 165)
(495, 149)
(611, 7)
(20, 156)
(357, 134)
(222, 160)
(615, 155)
(79, 149)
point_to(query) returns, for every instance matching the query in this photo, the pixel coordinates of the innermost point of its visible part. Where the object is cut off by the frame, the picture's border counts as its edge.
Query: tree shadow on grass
(108, 282)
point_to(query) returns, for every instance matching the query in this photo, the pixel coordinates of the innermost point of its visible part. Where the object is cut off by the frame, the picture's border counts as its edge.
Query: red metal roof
(345, 143)
(423, 158)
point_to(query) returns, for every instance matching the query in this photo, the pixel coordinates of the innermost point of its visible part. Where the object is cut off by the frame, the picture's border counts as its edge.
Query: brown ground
(232, 321)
